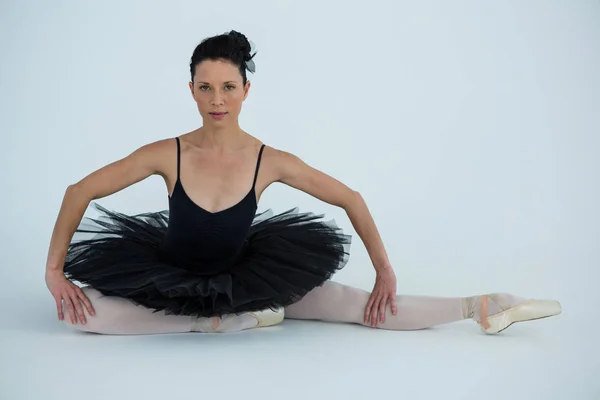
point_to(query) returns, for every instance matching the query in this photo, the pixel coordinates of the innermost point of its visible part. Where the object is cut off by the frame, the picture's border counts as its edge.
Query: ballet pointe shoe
(527, 310)
(230, 323)
(268, 317)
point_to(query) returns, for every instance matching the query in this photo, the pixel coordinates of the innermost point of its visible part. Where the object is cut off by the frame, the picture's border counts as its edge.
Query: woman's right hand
(63, 289)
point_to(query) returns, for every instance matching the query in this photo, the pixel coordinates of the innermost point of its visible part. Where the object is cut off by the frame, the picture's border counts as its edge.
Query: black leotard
(207, 241)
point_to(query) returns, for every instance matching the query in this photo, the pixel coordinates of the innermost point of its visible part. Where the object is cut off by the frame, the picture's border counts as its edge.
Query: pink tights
(332, 302)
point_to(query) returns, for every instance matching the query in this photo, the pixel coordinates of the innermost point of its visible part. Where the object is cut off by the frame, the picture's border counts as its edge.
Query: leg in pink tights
(332, 302)
(119, 316)
(494, 312)
(335, 302)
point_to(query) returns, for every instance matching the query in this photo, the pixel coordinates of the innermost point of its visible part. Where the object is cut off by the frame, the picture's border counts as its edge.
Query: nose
(217, 99)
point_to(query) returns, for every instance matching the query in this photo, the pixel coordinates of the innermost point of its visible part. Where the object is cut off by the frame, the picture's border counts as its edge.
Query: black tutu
(284, 257)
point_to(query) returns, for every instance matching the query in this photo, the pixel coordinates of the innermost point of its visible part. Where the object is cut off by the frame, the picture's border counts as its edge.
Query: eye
(226, 86)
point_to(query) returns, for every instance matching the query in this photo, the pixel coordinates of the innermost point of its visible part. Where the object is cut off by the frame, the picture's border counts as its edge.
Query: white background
(470, 127)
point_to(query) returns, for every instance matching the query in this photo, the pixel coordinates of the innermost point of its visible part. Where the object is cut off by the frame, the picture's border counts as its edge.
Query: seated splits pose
(211, 263)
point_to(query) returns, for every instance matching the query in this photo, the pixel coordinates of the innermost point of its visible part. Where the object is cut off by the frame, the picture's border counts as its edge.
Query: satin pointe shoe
(497, 311)
(268, 317)
(230, 323)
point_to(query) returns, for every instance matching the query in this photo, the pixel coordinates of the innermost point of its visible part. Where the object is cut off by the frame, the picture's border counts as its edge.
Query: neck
(219, 138)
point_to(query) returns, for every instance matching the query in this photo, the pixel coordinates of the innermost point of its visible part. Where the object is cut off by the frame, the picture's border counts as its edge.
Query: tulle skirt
(284, 257)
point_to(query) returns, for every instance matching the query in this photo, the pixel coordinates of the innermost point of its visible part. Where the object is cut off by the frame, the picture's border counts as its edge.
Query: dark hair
(232, 46)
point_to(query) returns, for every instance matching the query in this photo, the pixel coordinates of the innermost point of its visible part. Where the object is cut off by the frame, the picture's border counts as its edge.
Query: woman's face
(218, 88)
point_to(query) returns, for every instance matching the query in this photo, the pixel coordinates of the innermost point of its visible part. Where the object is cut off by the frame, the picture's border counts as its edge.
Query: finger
(86, 301)
(78, 307)
(368, 308)
(382, 305)
(70, 308)
(393, 305)
(374, 310)
(59, 310)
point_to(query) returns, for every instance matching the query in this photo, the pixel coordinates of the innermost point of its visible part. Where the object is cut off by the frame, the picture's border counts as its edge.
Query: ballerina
(211, 263)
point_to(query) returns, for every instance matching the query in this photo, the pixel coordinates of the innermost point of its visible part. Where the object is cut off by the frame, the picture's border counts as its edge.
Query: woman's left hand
(384, 292)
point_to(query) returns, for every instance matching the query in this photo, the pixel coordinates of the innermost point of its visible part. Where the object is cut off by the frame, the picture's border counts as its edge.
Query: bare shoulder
(282, 164)
(158, 154)
(146, 160)
(289, 169)
(158, 147)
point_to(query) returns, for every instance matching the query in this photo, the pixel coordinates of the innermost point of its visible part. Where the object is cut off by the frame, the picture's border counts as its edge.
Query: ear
(191, 85)
(246, 89)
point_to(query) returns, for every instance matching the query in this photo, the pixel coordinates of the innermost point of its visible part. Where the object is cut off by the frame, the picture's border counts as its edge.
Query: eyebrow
(223, 82)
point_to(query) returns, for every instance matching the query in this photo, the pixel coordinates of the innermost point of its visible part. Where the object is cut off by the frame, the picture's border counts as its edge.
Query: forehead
(217, 71)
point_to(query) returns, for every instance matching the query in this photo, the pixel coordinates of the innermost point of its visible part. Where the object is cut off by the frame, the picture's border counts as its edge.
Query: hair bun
(245, 47)
(242, 43)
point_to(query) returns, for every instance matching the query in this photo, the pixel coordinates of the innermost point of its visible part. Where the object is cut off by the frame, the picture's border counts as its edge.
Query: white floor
(554, 358)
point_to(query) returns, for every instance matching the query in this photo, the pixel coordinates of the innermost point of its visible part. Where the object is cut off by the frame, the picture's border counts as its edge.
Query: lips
(218, 116)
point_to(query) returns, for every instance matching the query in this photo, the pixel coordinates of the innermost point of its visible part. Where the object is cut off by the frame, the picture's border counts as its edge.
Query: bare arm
(103, 182)
(294, 172)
